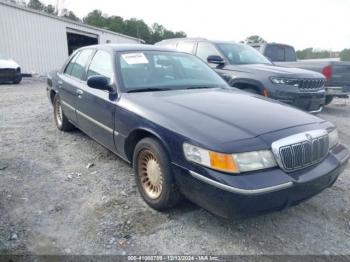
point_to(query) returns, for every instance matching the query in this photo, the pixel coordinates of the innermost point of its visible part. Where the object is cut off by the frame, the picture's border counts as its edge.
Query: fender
(145, 130)
(253, 82)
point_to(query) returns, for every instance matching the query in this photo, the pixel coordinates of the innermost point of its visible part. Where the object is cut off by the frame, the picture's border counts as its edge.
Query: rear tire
(329, 99)
(153, 175)
(61, 120)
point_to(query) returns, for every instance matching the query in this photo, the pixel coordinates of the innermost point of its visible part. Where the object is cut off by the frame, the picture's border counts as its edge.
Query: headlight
(285, 81)
(333, 138)
(255, 160)
(230, 163)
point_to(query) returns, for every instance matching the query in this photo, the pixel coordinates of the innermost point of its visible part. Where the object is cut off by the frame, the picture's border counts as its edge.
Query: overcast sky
(303, 23)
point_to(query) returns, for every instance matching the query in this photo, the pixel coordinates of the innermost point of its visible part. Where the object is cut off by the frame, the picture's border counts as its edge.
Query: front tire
(61, 120)
(153, 175)
(17, 80)
(329, 99)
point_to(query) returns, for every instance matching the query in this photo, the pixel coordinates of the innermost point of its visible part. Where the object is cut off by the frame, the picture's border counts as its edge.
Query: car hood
(222, 115)
(273, 70)
(8, 63)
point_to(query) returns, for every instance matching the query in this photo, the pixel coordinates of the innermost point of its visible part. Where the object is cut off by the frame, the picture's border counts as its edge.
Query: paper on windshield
(135, 58)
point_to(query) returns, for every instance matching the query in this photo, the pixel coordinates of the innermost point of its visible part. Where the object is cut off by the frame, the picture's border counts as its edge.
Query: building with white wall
(40, 42)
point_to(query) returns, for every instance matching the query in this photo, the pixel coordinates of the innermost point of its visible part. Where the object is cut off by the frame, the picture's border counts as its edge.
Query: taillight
(327, 72)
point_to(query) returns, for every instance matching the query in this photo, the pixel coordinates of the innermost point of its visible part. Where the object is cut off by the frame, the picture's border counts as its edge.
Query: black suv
(245, 68)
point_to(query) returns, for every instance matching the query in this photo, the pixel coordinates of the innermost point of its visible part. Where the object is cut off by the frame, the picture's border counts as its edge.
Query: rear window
(275, 53)
(290, 54)
(280, 53)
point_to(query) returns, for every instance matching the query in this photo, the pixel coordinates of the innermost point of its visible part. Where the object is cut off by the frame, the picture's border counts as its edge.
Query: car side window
(69, 67)
(275, 53)
(205, 49)
(186, 47)
(101, 64)
(79, 64)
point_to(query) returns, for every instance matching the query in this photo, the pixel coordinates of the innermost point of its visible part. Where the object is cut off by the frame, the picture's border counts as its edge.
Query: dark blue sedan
(187, 133)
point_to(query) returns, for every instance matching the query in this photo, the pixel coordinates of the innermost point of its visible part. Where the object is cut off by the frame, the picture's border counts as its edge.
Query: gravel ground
(51, 203)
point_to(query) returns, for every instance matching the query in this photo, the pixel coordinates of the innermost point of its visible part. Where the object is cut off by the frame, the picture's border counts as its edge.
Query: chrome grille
(301, 150)
(307, 85)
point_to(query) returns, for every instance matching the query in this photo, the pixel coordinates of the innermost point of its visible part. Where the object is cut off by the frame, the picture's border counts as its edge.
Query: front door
(96, 108)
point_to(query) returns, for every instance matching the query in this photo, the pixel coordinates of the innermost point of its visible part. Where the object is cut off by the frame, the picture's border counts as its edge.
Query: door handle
(80, 92)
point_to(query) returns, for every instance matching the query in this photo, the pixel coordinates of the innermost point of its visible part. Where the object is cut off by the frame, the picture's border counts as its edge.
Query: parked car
(10, 71)
(337, 73)
(245, 68)
(186, 132)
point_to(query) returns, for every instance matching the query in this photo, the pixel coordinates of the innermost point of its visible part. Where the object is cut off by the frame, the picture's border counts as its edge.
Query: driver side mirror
(215, 59)
(99, 82)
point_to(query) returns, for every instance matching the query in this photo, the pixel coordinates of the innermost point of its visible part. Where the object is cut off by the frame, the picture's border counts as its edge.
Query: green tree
(50, 9)
(116, 24)
(95, 18)
(70, 15)
(137, 28)
(345, 55)
(36, 4)
(310, 53)
(132, 27)
(254, 39)
(159, 33)
(305, 53)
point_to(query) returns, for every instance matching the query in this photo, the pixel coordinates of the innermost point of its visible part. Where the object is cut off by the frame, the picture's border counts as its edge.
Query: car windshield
(2, 56)
(238, 54)
(161, 70)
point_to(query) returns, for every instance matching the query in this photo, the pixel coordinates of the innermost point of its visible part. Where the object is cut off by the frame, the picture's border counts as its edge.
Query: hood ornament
(308, 137)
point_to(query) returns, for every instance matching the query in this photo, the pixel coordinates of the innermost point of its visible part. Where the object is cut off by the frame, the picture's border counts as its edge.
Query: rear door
(96, 108)
(70, 80)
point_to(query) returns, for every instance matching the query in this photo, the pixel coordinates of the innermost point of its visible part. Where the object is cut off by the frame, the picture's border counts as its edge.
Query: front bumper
(312, 102)
(258, 192)
(338, 91)
(9, 74)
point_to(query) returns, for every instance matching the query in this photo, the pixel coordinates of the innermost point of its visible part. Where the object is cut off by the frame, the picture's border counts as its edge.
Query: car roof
(128, 47)
(269, 44)
(192, 39)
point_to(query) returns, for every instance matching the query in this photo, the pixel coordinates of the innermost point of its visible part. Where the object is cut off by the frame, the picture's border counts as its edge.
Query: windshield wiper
(148, 90)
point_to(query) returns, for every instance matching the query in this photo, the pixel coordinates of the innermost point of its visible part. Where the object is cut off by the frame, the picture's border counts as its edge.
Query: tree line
(131, 27)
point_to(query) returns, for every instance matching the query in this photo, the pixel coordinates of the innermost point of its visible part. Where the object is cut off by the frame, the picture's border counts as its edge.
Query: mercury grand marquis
(187, 133)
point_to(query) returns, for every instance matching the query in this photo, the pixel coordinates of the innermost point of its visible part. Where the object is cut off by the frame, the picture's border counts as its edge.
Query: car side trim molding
(108, 129)
(240, 190)
(68, 105)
